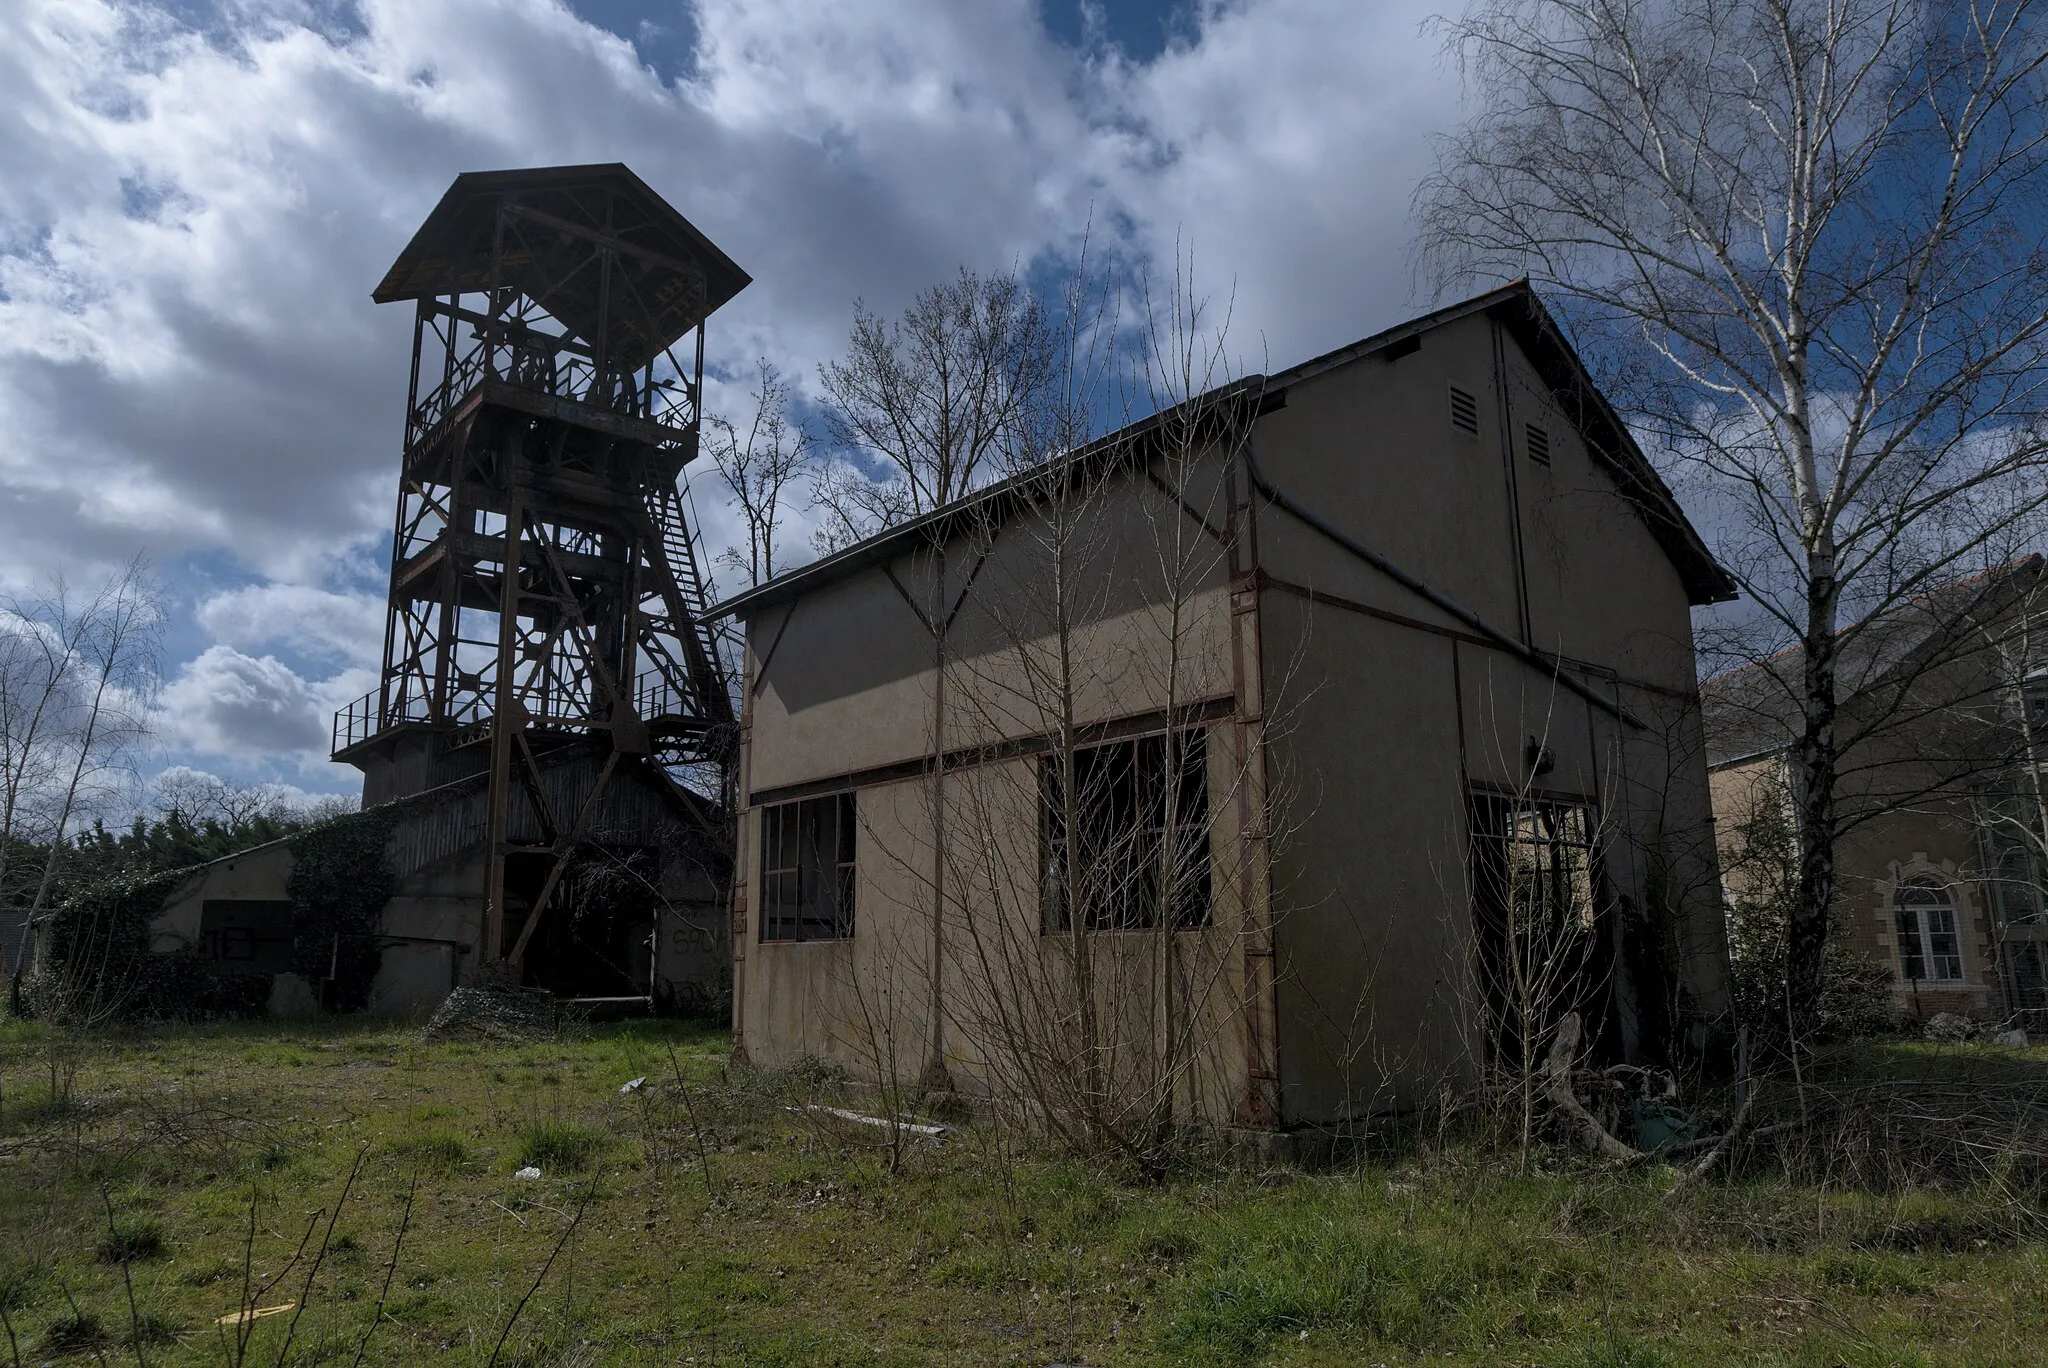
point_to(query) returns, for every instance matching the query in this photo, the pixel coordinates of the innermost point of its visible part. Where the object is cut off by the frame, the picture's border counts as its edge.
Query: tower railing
(550, 365)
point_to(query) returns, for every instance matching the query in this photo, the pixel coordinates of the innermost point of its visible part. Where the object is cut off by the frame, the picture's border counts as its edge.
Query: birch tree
(1804, 237)
(109, 663)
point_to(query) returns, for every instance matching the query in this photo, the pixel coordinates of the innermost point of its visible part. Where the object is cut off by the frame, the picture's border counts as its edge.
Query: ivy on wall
(97, 964)
(339, 883)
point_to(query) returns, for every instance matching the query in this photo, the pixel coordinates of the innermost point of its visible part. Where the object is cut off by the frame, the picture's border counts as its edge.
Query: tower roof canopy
(546, 227)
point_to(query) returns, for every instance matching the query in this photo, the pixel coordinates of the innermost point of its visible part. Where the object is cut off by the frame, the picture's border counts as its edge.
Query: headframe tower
(545, 591)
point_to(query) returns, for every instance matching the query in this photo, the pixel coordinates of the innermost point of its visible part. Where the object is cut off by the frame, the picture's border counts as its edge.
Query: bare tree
(1806, 236)
(39, 652)
(198, 797)
(113, 674)
(928, 407)
(1086, 879)
(757, 468)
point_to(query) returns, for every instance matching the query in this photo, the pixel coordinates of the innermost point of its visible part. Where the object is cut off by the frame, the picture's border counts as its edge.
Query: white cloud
(314, 622)
(252, 709)
(190, 226)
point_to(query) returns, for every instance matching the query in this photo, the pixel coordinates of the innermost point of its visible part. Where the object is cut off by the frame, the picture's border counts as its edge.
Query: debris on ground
(243, 1317)
(917, 1128)
(1951, 1028)
(528, 1174)
(632, 1085)
(494, 1012)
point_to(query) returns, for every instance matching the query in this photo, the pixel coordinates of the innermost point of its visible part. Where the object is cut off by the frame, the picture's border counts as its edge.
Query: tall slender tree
(758, 465)
(1806, 236)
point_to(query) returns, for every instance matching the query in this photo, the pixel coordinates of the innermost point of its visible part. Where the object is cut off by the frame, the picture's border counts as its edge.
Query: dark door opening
(1543, 924)
(596, 937)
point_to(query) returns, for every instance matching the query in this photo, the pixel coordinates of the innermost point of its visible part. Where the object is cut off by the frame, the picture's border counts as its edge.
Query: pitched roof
(1754, 709)
(1515, 305)
(677, 276)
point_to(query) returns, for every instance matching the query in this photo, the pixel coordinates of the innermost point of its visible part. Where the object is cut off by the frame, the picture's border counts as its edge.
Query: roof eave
(1705, 581)
(886, 544)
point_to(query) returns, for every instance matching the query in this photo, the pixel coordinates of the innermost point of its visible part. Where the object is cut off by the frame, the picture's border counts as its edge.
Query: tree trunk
(1806, 930)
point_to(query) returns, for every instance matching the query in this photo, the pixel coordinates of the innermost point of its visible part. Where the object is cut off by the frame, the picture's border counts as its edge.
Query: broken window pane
(1131, 803)
(807, 864)
(1536, 915)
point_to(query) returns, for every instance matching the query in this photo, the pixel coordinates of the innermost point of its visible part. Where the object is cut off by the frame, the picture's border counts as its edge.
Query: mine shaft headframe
(546, 597)
(593, 246)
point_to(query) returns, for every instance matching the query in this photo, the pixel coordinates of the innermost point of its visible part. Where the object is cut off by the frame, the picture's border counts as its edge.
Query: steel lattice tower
(545, 591)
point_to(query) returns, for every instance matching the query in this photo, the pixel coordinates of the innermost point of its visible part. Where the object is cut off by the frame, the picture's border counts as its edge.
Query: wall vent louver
(1464, 411)
(1539, 445)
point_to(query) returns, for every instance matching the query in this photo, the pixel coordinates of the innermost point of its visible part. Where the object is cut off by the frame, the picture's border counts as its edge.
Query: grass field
(192, 1163)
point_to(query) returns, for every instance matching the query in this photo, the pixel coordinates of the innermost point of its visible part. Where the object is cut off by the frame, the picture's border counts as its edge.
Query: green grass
(131, 1241)
(556, 1146)
(805, 1249)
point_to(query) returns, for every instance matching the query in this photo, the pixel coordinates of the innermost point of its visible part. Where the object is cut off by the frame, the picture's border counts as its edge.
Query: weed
(151, 1328)
(131, 1241)
(74, 1332)
(220, 1270)
(561, 1146)
(273, 1155)
(1868, 1274)
(1620, 1354)
(439, 1152)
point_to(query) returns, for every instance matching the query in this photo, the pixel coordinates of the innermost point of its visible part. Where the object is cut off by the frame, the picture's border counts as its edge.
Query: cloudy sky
(196, 198)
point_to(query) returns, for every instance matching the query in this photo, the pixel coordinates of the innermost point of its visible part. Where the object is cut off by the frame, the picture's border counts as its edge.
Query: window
(1930, 951)
(1126, 798)
(246, 934)
(1536, 862)
(2009, 830)
(1537, 922)
(807, 869)
(1464, 411)
(1539, 445)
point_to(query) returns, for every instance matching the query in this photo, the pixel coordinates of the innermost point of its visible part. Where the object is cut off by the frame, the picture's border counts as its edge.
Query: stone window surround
(1961, 890)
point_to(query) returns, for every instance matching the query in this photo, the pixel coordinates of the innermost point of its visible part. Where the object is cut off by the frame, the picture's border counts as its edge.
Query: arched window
(1930, 950)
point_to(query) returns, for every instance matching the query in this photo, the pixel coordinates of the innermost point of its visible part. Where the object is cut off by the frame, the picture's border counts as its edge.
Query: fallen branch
(1558, 1067)
(1688, 1179)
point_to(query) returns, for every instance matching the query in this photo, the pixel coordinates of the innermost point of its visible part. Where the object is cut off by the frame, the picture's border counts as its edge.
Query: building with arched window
(1943, 796)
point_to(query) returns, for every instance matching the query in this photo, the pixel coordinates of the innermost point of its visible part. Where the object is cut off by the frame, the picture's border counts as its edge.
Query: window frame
(1916, 936)
(810, 841)
(1140, 830)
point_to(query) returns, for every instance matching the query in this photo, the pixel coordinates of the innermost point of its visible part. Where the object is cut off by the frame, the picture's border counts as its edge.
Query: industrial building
(1261, 751)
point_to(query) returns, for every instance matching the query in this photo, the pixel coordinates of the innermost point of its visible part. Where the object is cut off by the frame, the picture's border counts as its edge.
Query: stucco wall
(1380, 727)
(847, 682)
(1380, 714)
(845, 678)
